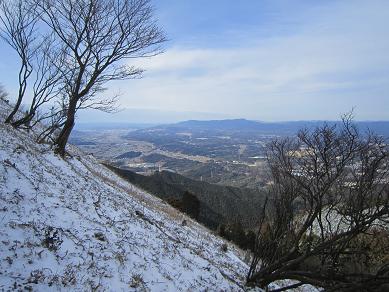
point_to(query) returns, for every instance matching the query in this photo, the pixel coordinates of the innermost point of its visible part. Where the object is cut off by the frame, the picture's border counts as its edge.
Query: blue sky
(265, 60)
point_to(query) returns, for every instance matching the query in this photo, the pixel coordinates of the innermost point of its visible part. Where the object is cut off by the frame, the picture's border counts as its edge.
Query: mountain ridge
(381, 127)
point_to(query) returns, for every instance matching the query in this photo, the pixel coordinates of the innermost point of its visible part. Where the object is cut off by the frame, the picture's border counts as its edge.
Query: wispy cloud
(336, 59)
(283, 60)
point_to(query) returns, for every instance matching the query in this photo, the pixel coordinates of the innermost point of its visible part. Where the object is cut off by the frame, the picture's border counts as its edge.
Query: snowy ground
(74, 225)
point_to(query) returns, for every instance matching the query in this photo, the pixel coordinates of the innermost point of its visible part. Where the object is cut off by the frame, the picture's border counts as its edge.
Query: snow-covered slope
(74, 225)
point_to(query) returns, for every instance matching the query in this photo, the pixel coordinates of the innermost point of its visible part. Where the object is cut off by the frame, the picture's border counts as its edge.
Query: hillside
(74, 225)
(218, 204)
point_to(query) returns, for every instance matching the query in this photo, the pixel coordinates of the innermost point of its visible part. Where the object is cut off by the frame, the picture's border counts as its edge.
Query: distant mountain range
(379, 127)
(276, 128)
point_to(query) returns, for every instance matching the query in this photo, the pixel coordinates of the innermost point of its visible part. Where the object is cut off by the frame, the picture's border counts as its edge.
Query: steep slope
(218, 204)
(74, 225)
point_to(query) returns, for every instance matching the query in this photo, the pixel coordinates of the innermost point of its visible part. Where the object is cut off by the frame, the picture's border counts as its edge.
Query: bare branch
(98, 37)
(19, 20)
(330, 191)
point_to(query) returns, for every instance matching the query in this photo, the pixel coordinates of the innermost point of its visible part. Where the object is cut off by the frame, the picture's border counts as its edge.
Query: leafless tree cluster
(328, 198)
(18, 30)
(70, 49)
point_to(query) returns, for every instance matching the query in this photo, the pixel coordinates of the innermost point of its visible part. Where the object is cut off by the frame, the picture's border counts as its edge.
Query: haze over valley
(225, 152)
(194, 145)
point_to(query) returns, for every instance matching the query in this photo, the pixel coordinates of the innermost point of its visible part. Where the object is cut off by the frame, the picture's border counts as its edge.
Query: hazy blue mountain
(277, 128)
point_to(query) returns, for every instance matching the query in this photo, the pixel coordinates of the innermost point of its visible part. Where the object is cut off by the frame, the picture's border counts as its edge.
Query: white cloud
(338, 59)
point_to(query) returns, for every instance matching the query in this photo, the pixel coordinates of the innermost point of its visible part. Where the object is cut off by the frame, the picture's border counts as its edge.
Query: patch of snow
(74, 225)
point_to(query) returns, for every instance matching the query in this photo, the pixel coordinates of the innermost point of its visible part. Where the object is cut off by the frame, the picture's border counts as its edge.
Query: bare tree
(40, 59)
(18, 19)
(329, 193)
(97, 36)
(47, 85)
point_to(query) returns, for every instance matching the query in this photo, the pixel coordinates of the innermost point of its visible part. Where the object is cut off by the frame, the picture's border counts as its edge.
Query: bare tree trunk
(64, 135)
(12, 114)
(24, 73)
(23, 121)
(10, 117)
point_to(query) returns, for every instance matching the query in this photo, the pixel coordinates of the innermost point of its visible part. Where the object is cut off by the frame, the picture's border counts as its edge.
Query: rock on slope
(74, 225)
